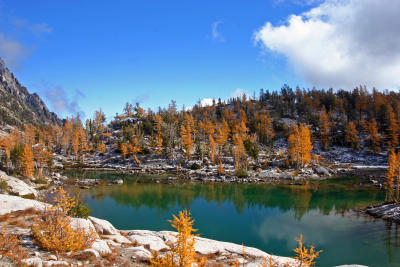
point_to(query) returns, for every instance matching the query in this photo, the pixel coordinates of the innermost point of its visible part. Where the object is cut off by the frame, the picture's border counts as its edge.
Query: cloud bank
(341, 43)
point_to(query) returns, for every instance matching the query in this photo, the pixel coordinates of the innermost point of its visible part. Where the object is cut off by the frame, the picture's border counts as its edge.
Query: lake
(268, 217)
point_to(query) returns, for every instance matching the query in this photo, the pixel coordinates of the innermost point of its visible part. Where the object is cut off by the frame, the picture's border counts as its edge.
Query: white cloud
(239, 93)
(12, 51)
(216, 35)
(206, 102)
(35, 28)
(341, 43)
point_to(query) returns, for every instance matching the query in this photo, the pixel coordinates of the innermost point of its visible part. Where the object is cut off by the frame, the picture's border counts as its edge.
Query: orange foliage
(264, 127)
(159, 139)
(374, 137)
(351, 136)
(324, 129)
(182, 252)
(392, 173)
(300, 145)
(393, 131)
(187, 135)
(221, 170)
(27, 162)
(239, 150)
(101, 147)
(55, 233)
(304, 255)
(10, 246)
(212, 148)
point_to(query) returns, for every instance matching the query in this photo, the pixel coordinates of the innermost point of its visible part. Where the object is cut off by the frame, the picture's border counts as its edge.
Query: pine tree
(158, 126)
(351, 137)
(373, 136)
(222, 135)
(124, 150)
(393, 131)
(239, 150)
(212, 148)
(187, 135)
(134, 148)
(300, 145)
(221, 170)
(305, 145)
(392, 173)
(27, 162)
(324, 129)
(101, 147)
(264, 127)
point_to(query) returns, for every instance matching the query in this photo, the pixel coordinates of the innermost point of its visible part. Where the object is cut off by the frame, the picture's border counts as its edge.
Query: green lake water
(268, 217)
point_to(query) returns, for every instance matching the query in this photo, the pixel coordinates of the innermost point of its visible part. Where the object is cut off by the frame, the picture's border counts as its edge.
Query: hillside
(17, 106)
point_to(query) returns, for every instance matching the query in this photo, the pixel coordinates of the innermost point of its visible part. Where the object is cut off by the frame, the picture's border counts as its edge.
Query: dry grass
(10, 246)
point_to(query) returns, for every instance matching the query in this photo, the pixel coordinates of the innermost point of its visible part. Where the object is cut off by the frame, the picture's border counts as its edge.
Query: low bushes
(54, 231)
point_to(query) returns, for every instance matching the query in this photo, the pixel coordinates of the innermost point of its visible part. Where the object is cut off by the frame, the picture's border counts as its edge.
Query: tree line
(237, 128)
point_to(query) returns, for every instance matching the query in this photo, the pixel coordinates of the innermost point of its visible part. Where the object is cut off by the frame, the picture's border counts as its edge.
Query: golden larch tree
(212, 148)
(222, 135)
(239, 150)
(159, 139)
(134, 148)
(393, 131)
(351, 137)
(187, 135)
(264, 127)
(324, 129)
(27, 162)
(391, 174)
(182, 252)
(124, 150)
(373, 136)
(300, 145)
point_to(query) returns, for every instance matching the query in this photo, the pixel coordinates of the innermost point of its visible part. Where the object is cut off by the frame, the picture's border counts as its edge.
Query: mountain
(18, 106)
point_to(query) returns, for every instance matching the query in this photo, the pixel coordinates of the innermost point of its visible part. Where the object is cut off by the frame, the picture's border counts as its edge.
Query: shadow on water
(268, 217)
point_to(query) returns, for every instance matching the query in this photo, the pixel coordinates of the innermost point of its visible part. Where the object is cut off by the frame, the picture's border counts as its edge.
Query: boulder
(103, 227)
(33, 262)
(17, 186)
(322, 171)
(84, 224)
(87, 254)
(102, 247)
(285, 175)
(13, 203)
(148, 239)
(140, 253)
(55, 263)
(118, 239)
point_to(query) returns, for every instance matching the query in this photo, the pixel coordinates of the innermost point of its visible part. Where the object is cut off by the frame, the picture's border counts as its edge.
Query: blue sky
(86, 55)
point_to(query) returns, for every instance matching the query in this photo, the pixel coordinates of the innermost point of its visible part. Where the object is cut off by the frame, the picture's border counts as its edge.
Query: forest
(307, 120)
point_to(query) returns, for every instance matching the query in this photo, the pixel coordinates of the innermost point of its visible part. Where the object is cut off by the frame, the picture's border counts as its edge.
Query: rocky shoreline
(386, 211)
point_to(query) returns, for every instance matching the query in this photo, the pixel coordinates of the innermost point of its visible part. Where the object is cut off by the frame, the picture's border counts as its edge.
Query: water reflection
(324, 198)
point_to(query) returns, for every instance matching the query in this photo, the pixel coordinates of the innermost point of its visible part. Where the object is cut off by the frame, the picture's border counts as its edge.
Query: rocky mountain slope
(18, 106)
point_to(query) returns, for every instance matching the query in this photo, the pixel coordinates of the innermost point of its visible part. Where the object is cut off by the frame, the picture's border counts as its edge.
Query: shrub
(241, 173)
(304, 255)
(195, 166)
(55, 233)
(79, 210)
(251, 148)
(10, 246)
(3, 186)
